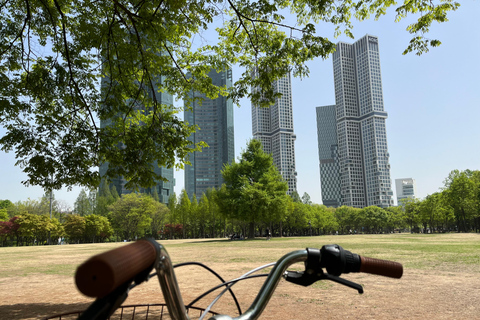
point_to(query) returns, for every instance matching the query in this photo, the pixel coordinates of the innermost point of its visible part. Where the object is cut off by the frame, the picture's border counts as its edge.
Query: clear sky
(432, 101)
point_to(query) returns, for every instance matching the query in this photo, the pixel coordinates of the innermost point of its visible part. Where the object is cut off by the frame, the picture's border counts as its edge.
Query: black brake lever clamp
(313, 273)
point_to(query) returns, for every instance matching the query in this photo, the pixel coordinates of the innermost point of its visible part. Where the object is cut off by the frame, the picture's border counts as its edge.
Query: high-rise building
(362, 153)
(328, 156)
(406, 189)
(274, 128)
(215, 120)
(164, 189)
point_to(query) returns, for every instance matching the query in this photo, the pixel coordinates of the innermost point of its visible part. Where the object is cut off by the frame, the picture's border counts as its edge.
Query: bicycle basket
(137, 312)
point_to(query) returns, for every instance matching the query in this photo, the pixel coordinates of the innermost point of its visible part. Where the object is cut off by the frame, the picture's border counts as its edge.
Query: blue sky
(433, 105)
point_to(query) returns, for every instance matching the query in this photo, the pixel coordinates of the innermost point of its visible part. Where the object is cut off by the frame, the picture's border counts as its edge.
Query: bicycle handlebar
(380, 267)
(337, 261)
(103, 273)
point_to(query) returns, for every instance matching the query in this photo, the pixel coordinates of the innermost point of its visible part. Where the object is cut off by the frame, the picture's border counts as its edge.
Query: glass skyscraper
(215, 119)
(362, 153)
(164, 189)
(328, 156)
(274, 128)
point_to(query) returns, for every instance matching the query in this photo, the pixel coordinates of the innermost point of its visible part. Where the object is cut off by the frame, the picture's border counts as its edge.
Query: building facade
(328, 156)
(215, 120)
(274, 128)
(406, 189)
(362, 152)
(163, 189)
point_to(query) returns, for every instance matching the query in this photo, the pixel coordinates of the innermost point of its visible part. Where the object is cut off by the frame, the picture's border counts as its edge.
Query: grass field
(441, 277)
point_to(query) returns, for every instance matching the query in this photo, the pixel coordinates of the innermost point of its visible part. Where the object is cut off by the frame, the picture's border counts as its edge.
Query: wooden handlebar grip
(381, 267)
(103, 273)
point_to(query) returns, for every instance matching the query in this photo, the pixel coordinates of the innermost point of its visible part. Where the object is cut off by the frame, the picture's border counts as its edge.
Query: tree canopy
(53, 55)
(254, 190)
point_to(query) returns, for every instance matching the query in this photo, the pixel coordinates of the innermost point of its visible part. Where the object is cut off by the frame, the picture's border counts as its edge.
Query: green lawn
(426, 252)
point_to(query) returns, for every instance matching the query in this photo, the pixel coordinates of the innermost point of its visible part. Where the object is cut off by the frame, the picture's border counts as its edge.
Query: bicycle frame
(133, 263)
(173, 299)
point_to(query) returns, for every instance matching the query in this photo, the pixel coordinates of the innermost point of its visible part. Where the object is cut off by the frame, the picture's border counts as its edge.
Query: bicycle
(109, 277)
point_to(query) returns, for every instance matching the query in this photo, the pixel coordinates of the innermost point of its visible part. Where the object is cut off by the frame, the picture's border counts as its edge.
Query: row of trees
(252, 199)
(455, 207)
(129, 217)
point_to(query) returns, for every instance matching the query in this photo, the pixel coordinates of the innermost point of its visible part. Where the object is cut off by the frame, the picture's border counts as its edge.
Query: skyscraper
(363, 158)
(274, 128)
(164, 189)
(215, 119)
(328, 156)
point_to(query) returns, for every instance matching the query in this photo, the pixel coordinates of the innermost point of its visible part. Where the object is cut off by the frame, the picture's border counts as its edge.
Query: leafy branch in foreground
(54, 55)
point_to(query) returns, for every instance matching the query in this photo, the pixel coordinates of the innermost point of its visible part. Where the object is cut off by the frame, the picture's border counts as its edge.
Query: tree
(461, 192)
(324, 218)
(3, 214)
(254, 189)
(97, 228)
(131, 215)
(82, 205)
(104, 199)
(213, 211)
(306, 198)
(74, 227)
(183, 209)
(159, 217)
(5, 205)
(54, 53)
(395, 218)
(412, 209)
(172, 216)
(297, 218)
(375, 218)
(9, 229)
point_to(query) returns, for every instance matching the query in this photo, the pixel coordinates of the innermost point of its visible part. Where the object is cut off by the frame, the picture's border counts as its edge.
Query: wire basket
(137, 312)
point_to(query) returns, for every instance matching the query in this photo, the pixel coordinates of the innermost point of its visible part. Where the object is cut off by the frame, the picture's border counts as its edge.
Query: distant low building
(406, 189)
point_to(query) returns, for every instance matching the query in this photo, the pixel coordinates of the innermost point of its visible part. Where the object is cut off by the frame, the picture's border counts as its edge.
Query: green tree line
(252, 199)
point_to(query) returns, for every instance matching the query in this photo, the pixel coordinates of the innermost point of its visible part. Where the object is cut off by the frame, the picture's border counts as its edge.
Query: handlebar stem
(169, 285)
(268, 287)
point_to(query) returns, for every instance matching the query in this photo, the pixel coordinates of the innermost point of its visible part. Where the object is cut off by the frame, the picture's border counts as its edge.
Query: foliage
(254, 190)
(83, 205)
(461, 192)
(3, 214)
(97, 228)
(53, 55)
(4, 204)
(74, 227)
(9, 228)
(159, 217)
(131, 215)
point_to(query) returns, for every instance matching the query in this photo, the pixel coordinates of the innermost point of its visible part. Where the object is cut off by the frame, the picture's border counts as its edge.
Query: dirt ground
(420, 294)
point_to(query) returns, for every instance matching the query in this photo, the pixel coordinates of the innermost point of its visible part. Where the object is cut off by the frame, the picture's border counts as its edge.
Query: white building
(406, 189)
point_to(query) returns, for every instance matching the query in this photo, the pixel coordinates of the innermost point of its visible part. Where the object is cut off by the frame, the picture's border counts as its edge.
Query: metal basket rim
(59, 315)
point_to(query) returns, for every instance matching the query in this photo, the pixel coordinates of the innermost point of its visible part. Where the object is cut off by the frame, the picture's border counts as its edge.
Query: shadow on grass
(38, 310)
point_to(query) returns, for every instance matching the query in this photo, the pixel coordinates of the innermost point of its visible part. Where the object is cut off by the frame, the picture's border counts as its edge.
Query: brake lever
(306, 279)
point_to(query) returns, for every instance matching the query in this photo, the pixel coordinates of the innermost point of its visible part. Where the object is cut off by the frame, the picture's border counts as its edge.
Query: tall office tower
(328, 156)
(215, 119)
(406, 189)
(363, 156)
(274, 128)
(164, 189)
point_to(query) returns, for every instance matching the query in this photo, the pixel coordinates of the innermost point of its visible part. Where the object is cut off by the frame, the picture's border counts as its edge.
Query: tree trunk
(251, 230)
